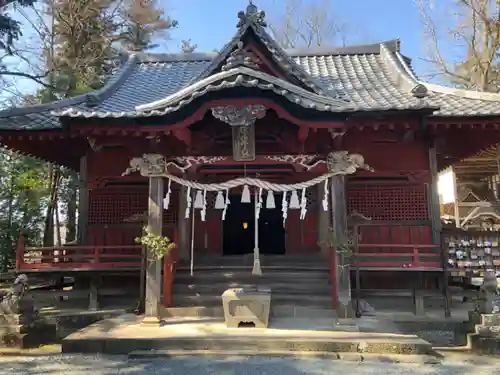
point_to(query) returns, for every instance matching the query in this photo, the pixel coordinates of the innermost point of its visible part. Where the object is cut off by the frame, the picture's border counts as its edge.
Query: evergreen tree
(141, 22)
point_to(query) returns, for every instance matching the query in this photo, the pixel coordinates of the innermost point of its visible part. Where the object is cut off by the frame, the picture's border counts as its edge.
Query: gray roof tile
(365, 78)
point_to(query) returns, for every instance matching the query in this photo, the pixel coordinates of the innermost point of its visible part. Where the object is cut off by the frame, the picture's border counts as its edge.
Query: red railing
(77, 257)
(419, 255)
(94, 258)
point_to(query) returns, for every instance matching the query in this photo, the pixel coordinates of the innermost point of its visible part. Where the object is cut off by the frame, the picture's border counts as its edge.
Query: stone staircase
(486, 336)
(300, 285)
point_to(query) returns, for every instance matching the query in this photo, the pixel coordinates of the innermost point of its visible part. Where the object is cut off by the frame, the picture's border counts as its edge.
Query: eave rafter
(47, 146)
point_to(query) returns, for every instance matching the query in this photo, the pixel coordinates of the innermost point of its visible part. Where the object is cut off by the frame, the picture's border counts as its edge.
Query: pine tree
(141, 22)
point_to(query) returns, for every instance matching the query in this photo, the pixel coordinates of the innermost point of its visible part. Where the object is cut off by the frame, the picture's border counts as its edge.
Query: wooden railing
(94, 258)
(416, 256)
(77, 257)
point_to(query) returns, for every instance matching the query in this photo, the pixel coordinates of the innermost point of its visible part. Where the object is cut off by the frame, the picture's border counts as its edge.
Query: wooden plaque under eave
(244, 143)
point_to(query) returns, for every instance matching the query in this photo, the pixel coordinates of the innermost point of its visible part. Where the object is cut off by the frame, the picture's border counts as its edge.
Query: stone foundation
(486, 336)
(20, 325)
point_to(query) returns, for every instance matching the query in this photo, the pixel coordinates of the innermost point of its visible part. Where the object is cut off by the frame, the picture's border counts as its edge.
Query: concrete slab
(125, 334)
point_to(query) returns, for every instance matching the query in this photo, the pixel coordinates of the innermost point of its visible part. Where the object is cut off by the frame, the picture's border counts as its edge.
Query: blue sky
(210, 23)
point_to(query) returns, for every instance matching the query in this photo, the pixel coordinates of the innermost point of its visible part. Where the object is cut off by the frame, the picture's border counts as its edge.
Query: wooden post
(20, 251)
(434, 211)
(322, 221)
(94, 284)
(339, 225)
(456, 203)
(256, 270)
(153, 270)
(356, 234)
(435, 215)
(183, 226)
(83, 202)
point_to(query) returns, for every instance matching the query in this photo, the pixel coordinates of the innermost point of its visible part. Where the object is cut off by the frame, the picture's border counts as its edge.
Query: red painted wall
(377, 195)
(396, 192)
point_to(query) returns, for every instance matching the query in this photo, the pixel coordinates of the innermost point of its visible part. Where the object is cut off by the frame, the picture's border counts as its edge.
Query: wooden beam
(183, 225)
(476, 159)
(434, 210)
(153, 270)
(339, 225)
(456, 211)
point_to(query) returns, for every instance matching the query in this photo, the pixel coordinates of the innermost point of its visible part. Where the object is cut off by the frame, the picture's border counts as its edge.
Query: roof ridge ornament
(241, 57)
(252, 15)
(419, 91)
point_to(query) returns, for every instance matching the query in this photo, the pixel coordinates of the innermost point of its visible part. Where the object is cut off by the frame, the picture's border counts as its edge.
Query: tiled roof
(369, 78)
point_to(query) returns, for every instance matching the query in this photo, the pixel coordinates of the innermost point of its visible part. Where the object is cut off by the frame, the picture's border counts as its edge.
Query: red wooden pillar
(20, 251)
(333, 278)
(168, 278)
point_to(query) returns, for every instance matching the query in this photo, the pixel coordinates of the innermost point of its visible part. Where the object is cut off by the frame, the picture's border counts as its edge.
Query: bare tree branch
(36, 78)
(476, 34)
(309, 24)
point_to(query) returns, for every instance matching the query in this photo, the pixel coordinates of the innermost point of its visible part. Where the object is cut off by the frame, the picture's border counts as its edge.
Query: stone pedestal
(243, 305)
(486, 336)
(20, 326)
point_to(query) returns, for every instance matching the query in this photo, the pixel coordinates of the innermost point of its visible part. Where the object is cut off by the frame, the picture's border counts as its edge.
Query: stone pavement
(126, 334)
(95, 365)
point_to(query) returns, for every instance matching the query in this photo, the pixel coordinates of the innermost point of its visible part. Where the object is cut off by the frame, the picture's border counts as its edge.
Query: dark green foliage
(23, 195)
(10, 29)
(141, 23)
(85, 41)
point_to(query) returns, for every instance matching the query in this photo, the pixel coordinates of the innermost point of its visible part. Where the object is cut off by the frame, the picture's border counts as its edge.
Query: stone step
(277, 311)
(219, 287)
(490, 320)
(268, 260)
(479, 344)
(209, 300)
(299, 268)
(487, 331)
(245, 276)
(256, 343)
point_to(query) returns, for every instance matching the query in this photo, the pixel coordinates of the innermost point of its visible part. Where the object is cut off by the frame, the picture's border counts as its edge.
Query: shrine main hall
(311, 170)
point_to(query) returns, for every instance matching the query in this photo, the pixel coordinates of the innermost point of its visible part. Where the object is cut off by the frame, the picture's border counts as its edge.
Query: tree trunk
(48, 232)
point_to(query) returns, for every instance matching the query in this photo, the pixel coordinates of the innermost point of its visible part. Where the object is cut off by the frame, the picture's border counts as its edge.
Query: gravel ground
(79, 365)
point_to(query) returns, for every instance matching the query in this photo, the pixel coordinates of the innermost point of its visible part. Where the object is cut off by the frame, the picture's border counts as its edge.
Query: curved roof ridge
(251, 21)
(145, 57)
(115, 81)
(404, 77)
(465, 93)
(392, 45)
(238, 71)
(361, 49)
(90, 98)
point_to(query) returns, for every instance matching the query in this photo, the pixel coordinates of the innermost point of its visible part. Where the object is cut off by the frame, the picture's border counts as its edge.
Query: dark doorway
(271, 230)
(238, 228)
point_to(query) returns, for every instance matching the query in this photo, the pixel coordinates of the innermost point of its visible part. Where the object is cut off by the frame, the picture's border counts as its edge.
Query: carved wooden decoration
(242, 121)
